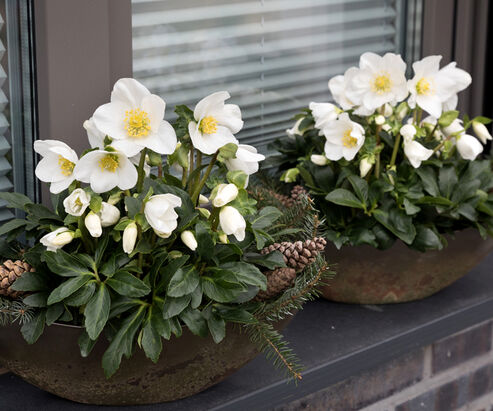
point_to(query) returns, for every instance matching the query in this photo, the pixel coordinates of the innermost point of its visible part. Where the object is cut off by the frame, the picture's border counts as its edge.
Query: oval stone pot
(187, 365)
(366, 275)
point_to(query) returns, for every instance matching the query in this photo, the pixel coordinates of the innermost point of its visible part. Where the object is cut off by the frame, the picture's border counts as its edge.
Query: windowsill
(334, 342)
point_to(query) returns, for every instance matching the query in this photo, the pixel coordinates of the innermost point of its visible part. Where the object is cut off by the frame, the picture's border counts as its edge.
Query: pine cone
(299, 254)
(264, 194)
(277, 281)
(298, 192)
(9, 272)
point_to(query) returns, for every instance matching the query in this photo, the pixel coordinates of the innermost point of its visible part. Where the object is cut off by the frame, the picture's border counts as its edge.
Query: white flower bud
(469, 147)
(203, 200)
(232, 222)
(189, 239)
(109, 214)
(129, 237)
(160, 213)
(291, 132)
(57, 239)
(223, 238)
(387, 110)
(408, 131)
(481, 131)
(364, 167)
(93, 224)
(225, 193)
(77, 202)
(456, 127)
(319, 160)
(386, 127)
(379, 120)
(416, 152)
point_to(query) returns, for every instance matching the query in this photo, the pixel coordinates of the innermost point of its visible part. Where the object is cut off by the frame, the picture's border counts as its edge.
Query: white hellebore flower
(189, 239)
(215, 123)
(323, 113)
(57, 165)
(319, 159)
(481, 131)
(246, 160)
(134, 119)
(431, 87)
(93, 224)
(109, 214)
(338, 87)
(295, 130)
(94, 135)
(469, 147)
(225, 194)
(77, 202)
(344, 138)
(203, 200)
(364, 167)
(379, 80)
(408, 131)
(232, 222)
(57, 239)
(456, 127)
(105, 170)
(160, 214)
(379, 120)
(129, 237)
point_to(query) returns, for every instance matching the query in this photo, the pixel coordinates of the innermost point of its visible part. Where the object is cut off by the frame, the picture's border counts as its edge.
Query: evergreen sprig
(12, 311)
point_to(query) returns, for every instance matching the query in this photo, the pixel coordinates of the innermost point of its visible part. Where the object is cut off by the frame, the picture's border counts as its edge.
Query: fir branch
(275, 348)
(305, 288)
(14, 311)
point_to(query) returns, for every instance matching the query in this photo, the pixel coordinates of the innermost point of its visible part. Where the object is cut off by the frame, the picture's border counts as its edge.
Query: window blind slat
(273, 56)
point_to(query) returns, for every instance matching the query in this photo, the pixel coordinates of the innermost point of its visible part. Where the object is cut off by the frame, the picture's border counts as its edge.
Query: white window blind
(273, 56)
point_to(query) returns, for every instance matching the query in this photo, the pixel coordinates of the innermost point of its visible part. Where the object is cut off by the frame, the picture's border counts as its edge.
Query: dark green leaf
(97, 312)
(360, 187)
(151, 342)
(436, 201)
(128, 285)
(15, 200)
(184, 281)
(220, 287)
(468, 211)
(447, 180)
(30, 282)
(343, 197)
(66, 265)
(54, 312)
(174, 306)
(426, 239)
(68, 288)
(429, 179)
(122, 342)
(33, 329)
(85, 344)
(195, 322)
(168, 271)
(247, 273)
(266, 217)
(101, 249)
(217, 327)
(236, 315)
(12, 225)
(271, 260)
(205, 244)
(398, 223)
(82, 295)
(36, 299)
(133, 206)
(410, 208)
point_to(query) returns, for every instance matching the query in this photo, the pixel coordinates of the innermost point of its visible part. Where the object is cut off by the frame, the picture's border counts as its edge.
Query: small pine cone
(277, 281)
(299, 254)
(298, 192)
(10, 271)
(283, 199)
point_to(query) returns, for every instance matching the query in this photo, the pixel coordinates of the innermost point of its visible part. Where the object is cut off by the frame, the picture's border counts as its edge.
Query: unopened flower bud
(379, 120)
(364, 167)
(224, 194)
(189, 239)
(129, 237)
(481, 131)
(93, 224)
(319, 160)
(109, 214)
(203, 200)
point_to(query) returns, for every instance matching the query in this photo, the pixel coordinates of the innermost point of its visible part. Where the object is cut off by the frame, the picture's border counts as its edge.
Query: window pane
(17, 126)
(273, 56)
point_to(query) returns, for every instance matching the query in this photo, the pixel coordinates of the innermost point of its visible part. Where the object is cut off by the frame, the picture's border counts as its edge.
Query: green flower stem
(214, 218)
(160, 170)
(140, 170)
(442, 143)
(377, 157)
(184, 177)
(83, 235)
(196, 193)
(396, 148)
(190, 171)
(198, 164)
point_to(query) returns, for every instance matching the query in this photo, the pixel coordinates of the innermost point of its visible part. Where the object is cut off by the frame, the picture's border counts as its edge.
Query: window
(17, 125)
(273, 56)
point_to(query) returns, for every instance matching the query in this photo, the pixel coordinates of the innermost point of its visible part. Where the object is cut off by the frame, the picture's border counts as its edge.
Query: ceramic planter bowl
(187, 365)
(366, 275)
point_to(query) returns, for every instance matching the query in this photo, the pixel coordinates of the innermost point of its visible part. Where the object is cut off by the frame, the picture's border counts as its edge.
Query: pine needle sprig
(275, 348)
(305, 288)
(12, 311)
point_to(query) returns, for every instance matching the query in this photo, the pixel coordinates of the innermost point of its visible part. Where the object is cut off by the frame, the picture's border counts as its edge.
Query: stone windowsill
(334, 341)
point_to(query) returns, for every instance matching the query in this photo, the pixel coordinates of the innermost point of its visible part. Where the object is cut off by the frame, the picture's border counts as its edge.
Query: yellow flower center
(137, 123)
(423, 86)
(109, 163)
(208, 125)
(382, 84)
(348, 140)
(66, 166)
(78, 202)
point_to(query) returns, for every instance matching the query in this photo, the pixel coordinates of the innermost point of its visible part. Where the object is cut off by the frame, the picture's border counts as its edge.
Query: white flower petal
(110, 119)
(230, 117)
(154, 106)
(129, 91)
(103, 181)
(59, 186)
(213, 102)
(127, 174)
(163, 141)
(128, 147)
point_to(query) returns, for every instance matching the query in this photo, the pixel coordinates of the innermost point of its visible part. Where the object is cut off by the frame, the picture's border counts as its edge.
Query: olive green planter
(187, 365)
(366, 275)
